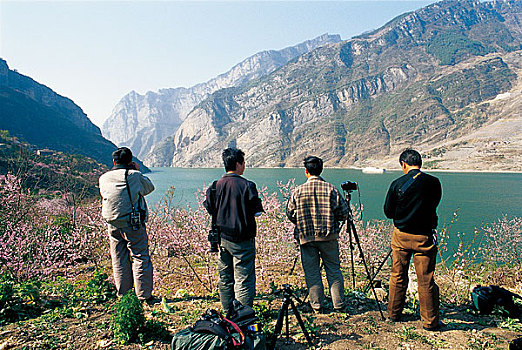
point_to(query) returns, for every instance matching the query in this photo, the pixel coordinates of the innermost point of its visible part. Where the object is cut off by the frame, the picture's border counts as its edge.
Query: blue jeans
(311, 255)
(237, 272)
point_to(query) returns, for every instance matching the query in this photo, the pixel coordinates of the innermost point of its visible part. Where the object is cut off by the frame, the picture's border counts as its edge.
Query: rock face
(141, 121)
(423, 79)
(36, 114)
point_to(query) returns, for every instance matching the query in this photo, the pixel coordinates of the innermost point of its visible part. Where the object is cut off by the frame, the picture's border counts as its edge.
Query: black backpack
(485, 298)
(239, 331)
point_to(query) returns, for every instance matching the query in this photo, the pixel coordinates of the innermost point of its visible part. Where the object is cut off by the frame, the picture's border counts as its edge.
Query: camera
(135, 219)
(214, 239)
(349, 186)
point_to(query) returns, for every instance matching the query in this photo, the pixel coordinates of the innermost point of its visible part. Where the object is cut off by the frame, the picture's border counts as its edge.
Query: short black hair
(231, 156)
(314, 165)
(122, 155)
(411, 157)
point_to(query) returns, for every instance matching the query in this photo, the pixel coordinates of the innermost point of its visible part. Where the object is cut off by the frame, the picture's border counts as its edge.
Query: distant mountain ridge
(38, 115)
(422, 80)
(141, 121)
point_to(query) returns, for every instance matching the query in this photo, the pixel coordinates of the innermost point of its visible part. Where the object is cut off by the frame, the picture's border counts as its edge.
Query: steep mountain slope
(36, 114)
(421, 80)
(140, 121)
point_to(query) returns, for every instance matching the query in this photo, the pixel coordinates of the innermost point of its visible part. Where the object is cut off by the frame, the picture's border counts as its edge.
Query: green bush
(18, 301)
(129, 324)
(128, 318)
(99, 289)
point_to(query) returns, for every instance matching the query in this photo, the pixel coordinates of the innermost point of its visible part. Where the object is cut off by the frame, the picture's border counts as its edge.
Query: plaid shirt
(316, 207)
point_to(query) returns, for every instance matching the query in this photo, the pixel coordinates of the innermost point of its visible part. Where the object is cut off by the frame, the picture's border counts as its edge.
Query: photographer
(125, 210)
(316, 207)
(234, 203)
(412, 202)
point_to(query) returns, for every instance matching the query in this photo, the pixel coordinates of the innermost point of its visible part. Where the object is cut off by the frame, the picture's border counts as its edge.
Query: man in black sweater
(412, 202)
(234, 203)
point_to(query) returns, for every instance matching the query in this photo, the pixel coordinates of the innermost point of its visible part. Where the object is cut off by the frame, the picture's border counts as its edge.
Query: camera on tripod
(214, 238)
(349, 186)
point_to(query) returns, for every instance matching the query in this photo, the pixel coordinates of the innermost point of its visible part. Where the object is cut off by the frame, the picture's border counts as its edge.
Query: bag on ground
(486, 298)
(215, 332)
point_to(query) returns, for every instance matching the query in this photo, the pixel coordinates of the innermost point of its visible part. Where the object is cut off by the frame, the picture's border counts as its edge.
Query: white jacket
(116, 205)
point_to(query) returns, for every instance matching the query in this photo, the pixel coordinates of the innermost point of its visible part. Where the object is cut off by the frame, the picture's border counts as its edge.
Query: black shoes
(437, 328)
(395, 319)
(151, 301)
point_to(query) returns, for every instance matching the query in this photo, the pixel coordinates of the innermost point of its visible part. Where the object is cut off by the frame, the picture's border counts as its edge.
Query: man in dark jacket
(234, 203)
(412, 202)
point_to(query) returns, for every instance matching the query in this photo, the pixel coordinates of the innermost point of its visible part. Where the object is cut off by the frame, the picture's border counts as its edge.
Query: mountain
(141, 121)
(36, 114)
(428, 79)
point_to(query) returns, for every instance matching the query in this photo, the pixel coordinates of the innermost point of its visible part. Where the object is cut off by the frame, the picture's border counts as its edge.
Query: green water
(480, 198)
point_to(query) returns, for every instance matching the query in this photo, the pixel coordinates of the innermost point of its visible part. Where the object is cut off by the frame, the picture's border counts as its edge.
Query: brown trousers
(131, 263)
(424, 252)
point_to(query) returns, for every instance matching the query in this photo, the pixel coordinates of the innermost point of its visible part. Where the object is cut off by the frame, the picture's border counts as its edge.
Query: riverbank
(88, 325)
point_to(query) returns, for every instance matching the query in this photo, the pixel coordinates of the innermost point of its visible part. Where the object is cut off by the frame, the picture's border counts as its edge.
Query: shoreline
(464, 171)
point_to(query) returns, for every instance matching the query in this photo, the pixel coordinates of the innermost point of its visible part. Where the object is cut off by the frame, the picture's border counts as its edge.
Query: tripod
(283, 315)
(352, 233)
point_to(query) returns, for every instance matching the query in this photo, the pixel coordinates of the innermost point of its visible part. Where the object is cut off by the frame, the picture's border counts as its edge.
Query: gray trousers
(131, 263)
(328, 252)
(237, 272)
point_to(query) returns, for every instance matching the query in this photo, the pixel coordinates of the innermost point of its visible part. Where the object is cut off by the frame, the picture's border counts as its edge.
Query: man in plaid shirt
(316, 208)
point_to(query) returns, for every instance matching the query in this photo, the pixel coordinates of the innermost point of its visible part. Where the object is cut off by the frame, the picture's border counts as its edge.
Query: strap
(205, 326)
(213, 199)
(408, 183)
(128, 189)
(237, 329)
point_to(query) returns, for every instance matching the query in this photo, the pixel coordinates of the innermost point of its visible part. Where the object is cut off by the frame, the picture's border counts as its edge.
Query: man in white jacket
(122, 190)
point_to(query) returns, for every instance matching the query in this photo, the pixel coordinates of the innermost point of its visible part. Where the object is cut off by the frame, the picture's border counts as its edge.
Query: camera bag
(485, 298)
(212, 331)
(245, 317)
(215, 332)
(242, 315)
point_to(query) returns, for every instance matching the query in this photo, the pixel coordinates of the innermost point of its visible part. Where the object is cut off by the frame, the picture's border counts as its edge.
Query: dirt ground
(360, 328)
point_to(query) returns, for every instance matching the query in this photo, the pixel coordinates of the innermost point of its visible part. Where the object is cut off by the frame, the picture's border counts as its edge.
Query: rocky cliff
(38, 115)
(141, 121)
(423, 79)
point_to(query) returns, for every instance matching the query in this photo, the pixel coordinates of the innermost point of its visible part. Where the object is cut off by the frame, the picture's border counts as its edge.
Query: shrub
(18, 301)
(129, 324)
(127, 319)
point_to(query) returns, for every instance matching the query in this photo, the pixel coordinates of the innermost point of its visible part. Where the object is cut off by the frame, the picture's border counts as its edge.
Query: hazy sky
(94, 52)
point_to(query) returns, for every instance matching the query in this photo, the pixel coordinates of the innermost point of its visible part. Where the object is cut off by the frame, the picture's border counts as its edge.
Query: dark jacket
(415, 210)
(233, 206)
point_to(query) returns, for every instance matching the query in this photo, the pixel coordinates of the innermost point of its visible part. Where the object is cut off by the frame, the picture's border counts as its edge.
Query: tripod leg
(301, 323)
(287, 326)
(377, 272)
(279, 323)
(366, 267)
(348, 230)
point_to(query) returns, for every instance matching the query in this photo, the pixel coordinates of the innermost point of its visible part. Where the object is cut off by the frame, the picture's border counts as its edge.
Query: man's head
(410, 159)
(122, 156)
(234, 160)
(313, 165)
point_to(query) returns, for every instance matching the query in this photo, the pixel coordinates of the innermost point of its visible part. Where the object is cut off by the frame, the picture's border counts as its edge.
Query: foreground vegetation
(55, 293)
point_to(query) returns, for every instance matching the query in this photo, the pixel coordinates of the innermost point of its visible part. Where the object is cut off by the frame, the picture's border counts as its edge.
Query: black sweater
(234, 205)
(415, 210)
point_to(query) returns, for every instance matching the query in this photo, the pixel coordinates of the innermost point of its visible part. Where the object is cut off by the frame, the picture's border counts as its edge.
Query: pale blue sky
(95, 52)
